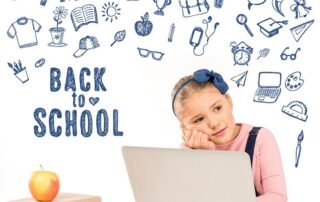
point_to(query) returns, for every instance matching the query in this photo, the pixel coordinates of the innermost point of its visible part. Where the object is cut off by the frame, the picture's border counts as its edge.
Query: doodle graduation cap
(269, 27)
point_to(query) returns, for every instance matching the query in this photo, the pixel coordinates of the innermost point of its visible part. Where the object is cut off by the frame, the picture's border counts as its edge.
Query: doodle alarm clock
(241, 53)
(294, 81)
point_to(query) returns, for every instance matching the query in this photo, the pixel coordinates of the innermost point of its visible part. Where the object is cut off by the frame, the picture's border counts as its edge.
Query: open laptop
(187, 175)
(269, 88)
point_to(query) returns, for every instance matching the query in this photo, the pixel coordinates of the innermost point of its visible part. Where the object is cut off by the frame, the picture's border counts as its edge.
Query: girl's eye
(198, 120)
(218, 108)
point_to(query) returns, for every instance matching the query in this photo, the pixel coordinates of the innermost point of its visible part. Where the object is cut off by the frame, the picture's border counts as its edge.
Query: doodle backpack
(194, 7)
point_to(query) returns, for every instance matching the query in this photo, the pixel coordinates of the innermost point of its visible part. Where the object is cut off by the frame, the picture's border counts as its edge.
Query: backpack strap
(251, 143)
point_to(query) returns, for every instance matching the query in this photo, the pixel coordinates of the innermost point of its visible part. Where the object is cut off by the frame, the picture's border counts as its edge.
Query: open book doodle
(83, 15)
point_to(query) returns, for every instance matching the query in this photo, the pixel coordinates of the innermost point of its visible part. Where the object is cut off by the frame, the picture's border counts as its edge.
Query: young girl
(204, 109)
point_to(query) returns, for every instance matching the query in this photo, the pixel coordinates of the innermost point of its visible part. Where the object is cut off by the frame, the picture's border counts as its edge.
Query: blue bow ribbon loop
(204, 75)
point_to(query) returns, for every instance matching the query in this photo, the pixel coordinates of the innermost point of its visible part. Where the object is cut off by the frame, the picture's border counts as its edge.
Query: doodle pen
(171, 32)
(298, 148)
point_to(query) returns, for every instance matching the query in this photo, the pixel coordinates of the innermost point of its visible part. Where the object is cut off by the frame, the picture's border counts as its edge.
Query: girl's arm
(269, 179)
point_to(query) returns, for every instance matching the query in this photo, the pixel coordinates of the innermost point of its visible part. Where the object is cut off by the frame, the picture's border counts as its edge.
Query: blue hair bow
(201, 76)
(204, 75)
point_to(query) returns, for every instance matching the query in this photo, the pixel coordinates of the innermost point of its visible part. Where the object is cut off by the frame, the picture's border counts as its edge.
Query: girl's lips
(219, 133)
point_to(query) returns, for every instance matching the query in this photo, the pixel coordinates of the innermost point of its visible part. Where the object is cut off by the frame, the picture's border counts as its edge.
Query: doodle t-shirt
(24, 30)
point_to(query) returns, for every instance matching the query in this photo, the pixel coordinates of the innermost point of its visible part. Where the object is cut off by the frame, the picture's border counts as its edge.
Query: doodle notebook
(187, 175)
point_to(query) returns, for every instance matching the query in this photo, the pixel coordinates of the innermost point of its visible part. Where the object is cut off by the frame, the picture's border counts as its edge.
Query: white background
(140, 89)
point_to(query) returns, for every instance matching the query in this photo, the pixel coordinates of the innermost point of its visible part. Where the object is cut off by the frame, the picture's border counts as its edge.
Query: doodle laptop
(189, 175)
(268, 89)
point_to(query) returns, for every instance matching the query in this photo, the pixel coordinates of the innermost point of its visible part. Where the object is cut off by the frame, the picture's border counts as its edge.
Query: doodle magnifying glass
(242, 20)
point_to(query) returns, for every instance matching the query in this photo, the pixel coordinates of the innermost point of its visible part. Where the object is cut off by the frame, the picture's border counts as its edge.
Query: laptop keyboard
(273, 92)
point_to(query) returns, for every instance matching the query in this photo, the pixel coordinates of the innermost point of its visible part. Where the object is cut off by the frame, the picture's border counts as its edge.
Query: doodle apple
(44, 185)
(144, 27)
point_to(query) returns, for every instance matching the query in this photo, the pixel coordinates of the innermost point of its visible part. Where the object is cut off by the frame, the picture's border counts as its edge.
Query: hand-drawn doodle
(94, 100)
(19, 71)
(57, 33)
(277, 6)
(269, 87)
(40, 62)
(299, 30)
(24, 29)
(294, 81)
(85, 44)
(298, 148)
(255, 2)
(241, 53)
(156, 55)
(218, 3)
(161, 4)
(83, 16)
(263, 53)
(269, 27)
(300, 9)
(171, 32)
(119, 36)
(292, 56)
(296, 109)
(197, 35)
(111, 11)
(143, 27)
(242, 20)
(194, 7)
(240, 79)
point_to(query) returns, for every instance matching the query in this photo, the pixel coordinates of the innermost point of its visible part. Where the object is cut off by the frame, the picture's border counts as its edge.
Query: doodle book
(84, 15)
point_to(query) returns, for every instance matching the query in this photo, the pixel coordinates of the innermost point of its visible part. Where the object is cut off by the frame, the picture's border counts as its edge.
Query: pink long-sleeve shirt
(267, 168)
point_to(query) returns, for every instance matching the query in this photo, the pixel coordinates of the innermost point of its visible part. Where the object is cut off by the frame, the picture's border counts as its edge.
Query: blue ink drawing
(298, 148)
(83, 16)
(111, 11)
(171, 32)
(194, 7)
(197, 35)
(300, 9)
(24, 29)
(263, 53)
(161, 4)
(269, 88)
(241, 53)
(292, 56)
(299, 30)
(119, 36)
(19, 71)
(242, 20)
(85, 44)
(240, 79)
(294, 81)
(218, 3)
(40, 62)
(143, 27)
(43, 2)
(277, 6)
(94, 100)
(296, 109)
(57, 33)
(255, 2)
(269, 27)
(156, 55)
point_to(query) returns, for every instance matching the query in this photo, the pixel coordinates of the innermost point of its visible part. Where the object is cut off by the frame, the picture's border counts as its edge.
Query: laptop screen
(269, 79)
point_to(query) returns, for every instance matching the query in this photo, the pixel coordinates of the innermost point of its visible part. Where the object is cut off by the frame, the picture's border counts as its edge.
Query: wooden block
(68, 197)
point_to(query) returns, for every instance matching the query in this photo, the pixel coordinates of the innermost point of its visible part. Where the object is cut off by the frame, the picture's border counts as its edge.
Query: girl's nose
(212, 122)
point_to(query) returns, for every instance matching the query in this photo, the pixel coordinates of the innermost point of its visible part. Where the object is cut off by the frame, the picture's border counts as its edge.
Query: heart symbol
(93, 100)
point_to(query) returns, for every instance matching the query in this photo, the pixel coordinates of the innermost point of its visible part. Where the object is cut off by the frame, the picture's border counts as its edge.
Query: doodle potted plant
(57, 32)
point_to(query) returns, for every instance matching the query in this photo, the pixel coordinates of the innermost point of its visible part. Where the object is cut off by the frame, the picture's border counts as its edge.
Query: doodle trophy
(161, 4)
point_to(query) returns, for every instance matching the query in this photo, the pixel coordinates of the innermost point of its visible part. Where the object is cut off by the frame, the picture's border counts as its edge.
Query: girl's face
(210, 112)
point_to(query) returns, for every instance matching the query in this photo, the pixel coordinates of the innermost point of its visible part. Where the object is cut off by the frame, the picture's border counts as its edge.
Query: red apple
(44, 185)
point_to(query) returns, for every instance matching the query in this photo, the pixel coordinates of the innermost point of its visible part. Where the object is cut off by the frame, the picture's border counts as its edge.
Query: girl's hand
(197, 140)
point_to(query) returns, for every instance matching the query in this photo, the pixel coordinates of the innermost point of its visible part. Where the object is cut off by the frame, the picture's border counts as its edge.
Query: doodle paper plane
(240, 79)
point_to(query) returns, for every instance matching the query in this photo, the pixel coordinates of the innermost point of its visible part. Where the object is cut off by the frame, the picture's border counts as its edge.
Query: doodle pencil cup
(22, 75)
